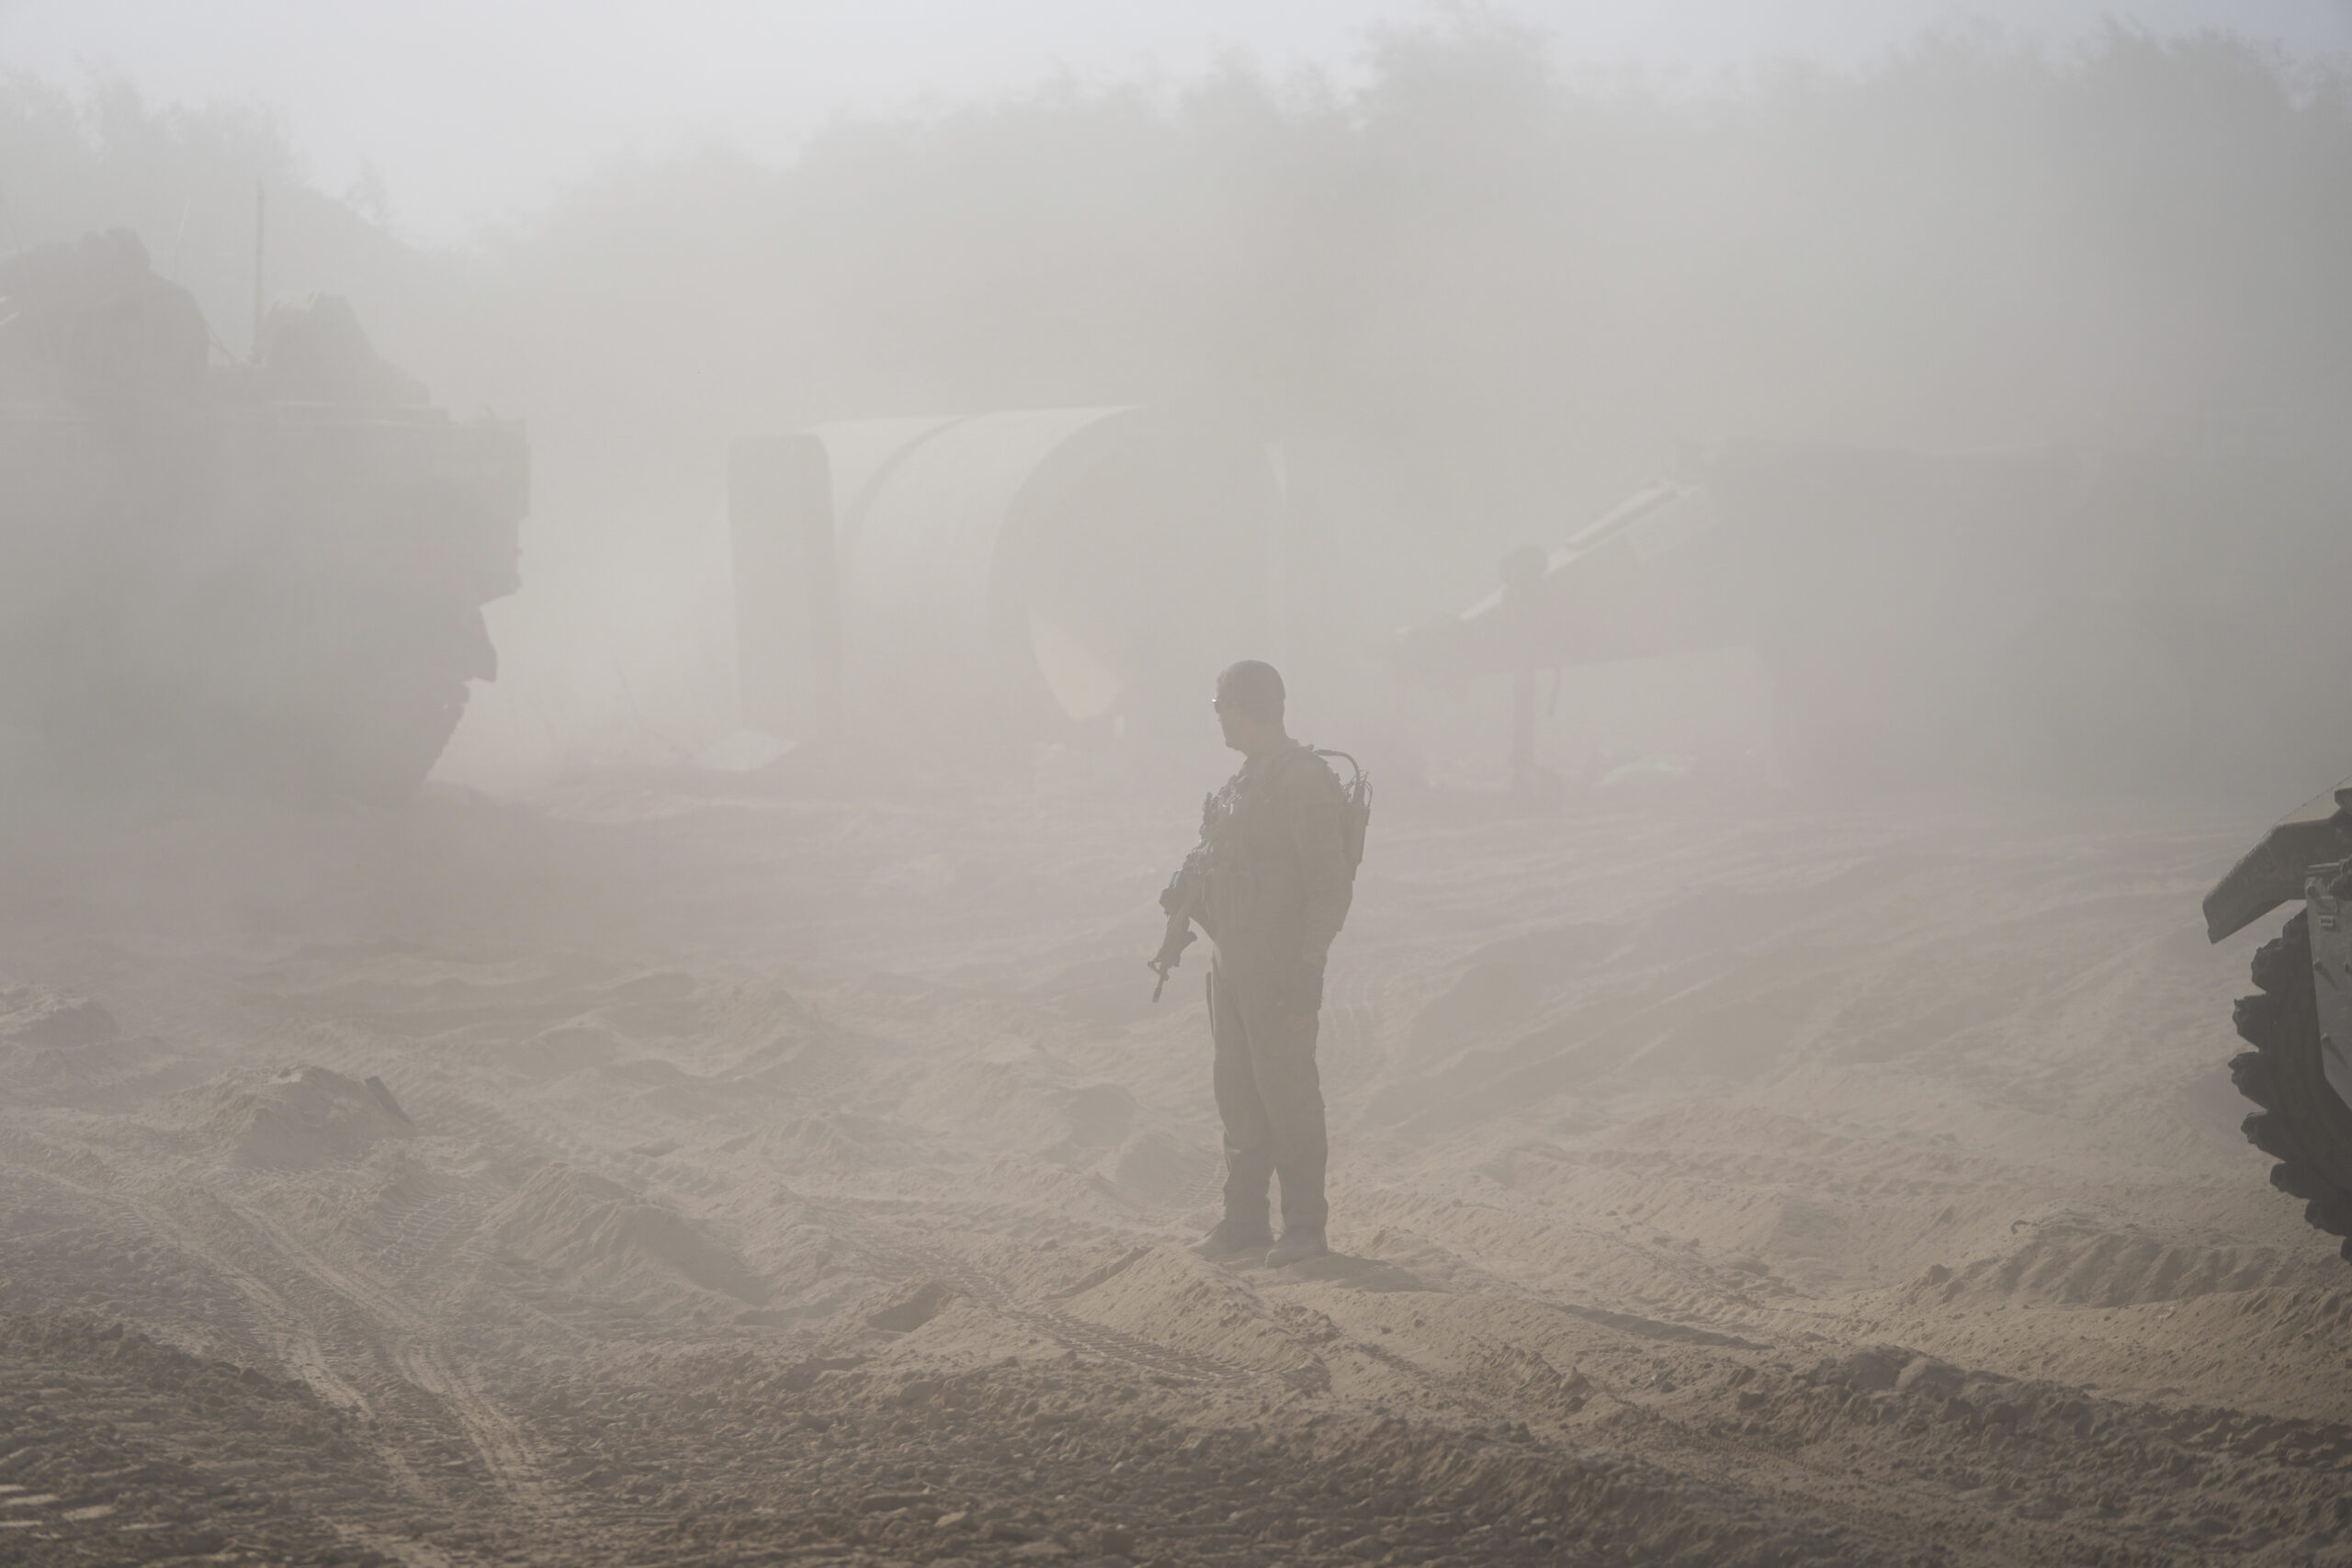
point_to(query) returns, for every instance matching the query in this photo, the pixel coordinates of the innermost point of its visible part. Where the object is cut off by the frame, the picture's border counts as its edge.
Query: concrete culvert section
(1031, 574)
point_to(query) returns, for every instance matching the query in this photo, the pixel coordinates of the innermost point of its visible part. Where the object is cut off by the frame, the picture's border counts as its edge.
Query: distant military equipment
(2300, 1019)
(2161, 617)
(2166, 619)
(266, 574)
(940, 584)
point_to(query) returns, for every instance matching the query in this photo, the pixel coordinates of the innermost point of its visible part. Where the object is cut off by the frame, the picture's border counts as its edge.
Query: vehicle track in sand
(403, 1339)
(414, 1343)
(913, 1262)
(1650, 1271)
(292, 1340)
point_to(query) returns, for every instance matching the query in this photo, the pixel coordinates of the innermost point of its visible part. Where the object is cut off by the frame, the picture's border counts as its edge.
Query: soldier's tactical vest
(1254, 891)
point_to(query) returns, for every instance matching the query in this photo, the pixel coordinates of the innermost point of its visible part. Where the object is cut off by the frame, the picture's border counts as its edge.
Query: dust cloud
(1779, 1091)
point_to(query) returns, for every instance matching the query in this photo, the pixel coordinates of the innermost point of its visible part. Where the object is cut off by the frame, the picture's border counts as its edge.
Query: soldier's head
(1250, 706)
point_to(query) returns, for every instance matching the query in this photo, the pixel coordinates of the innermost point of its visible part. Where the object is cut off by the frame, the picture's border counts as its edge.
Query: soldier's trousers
(1271, 1099)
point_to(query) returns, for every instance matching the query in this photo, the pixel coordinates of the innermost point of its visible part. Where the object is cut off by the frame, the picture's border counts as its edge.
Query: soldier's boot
(1233, 1240)
(1297, 1246)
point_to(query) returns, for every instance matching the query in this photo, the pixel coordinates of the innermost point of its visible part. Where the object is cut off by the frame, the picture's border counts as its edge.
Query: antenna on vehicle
(260, 203)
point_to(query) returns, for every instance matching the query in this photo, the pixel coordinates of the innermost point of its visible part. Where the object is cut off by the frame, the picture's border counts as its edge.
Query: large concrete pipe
(1021, 575)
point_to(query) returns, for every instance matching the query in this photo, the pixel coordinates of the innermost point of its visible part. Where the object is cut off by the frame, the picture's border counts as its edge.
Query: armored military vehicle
(266, 573)
(2050, 618)
(2300, 1019)
(2159, 619)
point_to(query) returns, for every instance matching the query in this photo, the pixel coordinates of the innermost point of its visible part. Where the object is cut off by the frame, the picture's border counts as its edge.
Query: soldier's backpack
(1358, 817)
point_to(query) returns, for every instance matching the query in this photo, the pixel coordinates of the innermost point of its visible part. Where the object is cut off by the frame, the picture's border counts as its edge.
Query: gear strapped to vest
(1277, 858)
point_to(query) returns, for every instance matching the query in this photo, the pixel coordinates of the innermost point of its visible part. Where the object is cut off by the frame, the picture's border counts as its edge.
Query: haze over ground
(1493, 281)
(630, 1162)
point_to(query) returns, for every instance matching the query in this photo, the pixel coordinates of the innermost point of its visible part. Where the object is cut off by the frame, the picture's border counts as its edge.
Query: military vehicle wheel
(2303, 1122)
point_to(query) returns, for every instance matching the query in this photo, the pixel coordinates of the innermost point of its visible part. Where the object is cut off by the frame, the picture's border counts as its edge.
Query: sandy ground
(661, 1172)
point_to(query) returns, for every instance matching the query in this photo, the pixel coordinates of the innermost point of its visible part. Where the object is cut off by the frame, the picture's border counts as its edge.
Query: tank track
(2302, 1123)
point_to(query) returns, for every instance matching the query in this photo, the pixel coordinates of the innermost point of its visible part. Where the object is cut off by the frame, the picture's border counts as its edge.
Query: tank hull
(266, 576)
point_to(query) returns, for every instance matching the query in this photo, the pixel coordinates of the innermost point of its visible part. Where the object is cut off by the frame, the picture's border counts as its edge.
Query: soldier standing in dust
(1270, 883)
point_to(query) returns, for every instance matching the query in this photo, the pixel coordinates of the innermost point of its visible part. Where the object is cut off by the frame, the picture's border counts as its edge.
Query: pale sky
(475, 111)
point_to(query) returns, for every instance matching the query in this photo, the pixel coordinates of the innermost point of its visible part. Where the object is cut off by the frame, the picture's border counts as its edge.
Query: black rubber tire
(2303, 1125)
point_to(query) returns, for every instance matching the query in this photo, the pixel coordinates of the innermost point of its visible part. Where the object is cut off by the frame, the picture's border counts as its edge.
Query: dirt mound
(1156, 1171)
(2083, 1264)
(1025, 1106)
(121, 1449)
(58, 1048)
(1165, 1296)
(1091, 1460)
(574, 1224)
(911, 1306)
(570, 1047)
(299, 1118)
(44, 1019)
(1505, 986)
(838, 1143)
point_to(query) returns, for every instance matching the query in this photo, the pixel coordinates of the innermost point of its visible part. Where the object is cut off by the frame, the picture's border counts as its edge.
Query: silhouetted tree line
(1517, 289)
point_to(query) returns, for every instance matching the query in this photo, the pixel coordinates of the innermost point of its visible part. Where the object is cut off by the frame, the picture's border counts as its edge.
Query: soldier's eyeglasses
(1218, 703)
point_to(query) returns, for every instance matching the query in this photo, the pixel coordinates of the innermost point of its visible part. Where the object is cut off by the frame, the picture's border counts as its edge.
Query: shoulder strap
(1357, 822)
(1322, 752)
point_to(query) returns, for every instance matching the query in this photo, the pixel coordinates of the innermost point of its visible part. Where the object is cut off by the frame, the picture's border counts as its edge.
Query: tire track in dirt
(277, 1323)
(913, 1262)
(400, 1336)
(506, 1453)
(1090, 1338)
(403, 1549)
(505, 1450)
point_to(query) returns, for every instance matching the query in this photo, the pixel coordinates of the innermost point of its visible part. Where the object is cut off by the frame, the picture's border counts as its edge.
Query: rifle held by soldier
(1181, 899)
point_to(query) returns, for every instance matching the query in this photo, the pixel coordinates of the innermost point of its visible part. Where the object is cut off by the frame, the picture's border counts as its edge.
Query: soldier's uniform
(1276, 891)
